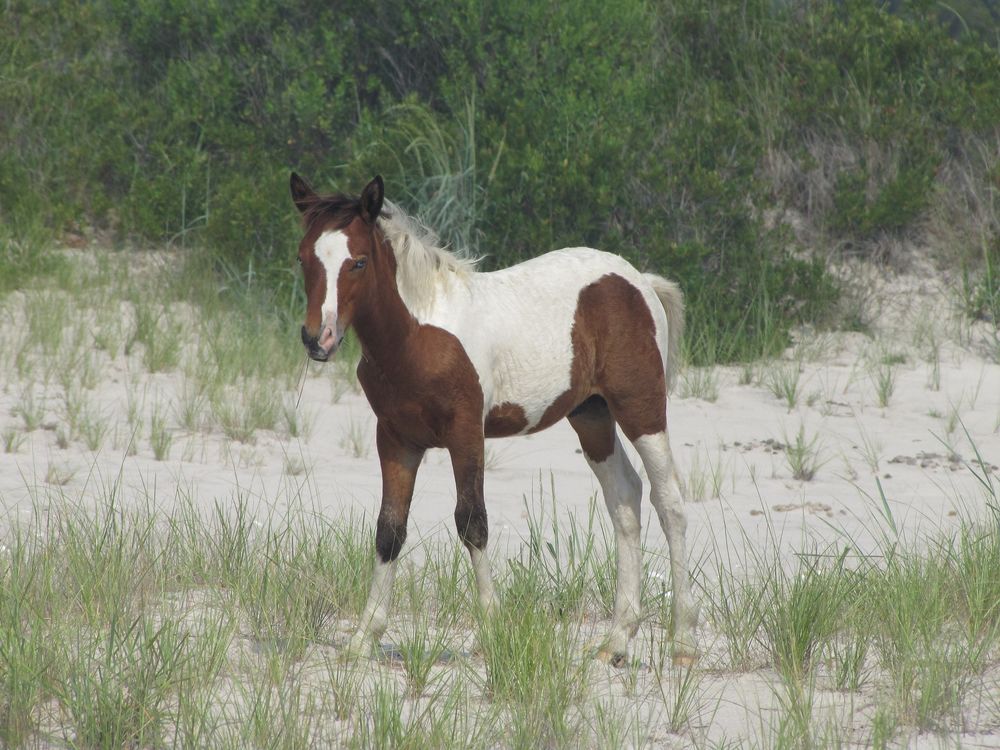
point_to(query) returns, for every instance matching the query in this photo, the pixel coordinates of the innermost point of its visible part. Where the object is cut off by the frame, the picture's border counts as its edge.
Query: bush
(982, 290)
(512, 128)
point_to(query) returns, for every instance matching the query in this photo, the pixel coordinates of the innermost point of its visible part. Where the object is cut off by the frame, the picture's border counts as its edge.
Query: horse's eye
(360, 263)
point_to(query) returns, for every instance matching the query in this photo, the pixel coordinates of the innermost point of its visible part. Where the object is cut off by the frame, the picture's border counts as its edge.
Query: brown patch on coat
(504, 420)
(427, 388)
(614, 342)
(616, 374)
(616, 356)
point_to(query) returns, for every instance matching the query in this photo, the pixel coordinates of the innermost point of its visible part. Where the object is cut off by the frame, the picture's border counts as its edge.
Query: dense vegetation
(690, 137)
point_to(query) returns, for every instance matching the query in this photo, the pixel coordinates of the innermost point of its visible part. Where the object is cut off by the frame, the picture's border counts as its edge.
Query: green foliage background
(512, 127)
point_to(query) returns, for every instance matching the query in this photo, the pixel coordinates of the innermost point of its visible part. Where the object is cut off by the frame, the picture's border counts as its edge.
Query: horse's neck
(384, 327)
(387, 327)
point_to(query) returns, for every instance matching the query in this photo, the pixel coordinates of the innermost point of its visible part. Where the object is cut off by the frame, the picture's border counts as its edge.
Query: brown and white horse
(452, 356)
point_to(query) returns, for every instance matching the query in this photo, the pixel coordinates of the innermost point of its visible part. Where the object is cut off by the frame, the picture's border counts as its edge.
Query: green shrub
(896, 205)
(982, 288)
(512, 128)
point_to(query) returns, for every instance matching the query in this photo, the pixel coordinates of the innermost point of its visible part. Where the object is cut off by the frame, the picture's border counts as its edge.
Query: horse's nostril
(307, 340)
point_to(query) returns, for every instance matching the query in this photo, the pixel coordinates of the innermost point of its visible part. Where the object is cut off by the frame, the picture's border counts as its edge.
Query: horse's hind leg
(622, 490)
(666, 497)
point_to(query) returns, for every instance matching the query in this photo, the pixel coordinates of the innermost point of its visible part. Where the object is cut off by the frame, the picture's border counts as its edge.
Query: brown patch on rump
(504, 420)
(615, 355)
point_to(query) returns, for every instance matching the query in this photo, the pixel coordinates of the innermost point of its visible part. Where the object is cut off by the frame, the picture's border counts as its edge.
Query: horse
(452, 356)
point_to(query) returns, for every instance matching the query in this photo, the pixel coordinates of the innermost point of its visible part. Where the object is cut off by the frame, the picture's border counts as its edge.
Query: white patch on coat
(331, 249)
(515, 324)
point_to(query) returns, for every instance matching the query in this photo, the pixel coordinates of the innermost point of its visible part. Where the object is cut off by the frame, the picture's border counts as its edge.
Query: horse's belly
(529, 392)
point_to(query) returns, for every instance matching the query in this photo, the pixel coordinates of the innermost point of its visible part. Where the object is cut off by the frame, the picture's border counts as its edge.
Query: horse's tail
(672, 299)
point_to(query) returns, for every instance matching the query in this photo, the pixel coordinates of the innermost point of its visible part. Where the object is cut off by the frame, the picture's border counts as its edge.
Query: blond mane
(422, 265)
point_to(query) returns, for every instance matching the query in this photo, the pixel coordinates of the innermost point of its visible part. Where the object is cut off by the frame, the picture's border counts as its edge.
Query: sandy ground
(922, 441)
(917, 447)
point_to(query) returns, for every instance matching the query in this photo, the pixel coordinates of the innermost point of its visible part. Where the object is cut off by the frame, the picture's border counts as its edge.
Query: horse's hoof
(685, 653)
(356, 648)
(614, 658)
(685, 661)
(602, 651)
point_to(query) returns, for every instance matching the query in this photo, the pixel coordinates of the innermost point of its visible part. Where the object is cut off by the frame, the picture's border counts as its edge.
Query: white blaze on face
(331, 250)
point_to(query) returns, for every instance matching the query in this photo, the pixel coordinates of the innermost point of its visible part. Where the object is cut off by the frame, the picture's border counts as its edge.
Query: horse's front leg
(470, 513)
(400, 462)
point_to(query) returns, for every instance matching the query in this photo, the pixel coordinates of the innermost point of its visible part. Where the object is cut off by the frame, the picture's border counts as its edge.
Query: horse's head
(339, 258)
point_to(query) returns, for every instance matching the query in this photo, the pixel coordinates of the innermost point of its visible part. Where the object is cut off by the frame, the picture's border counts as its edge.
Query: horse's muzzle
(313, 349)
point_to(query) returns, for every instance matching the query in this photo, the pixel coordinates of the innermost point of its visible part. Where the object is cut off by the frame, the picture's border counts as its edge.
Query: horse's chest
(397, 406)
(423, 407)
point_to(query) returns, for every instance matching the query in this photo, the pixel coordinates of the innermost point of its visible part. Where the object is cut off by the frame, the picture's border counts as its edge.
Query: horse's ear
(371, 199)
(302, 194)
